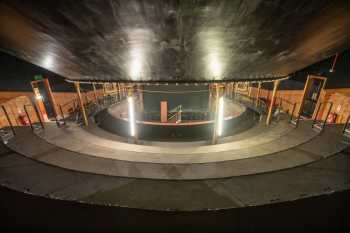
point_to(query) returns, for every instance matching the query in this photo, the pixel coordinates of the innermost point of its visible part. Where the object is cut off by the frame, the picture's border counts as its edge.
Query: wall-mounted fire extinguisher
(23, 119)
(332, 117)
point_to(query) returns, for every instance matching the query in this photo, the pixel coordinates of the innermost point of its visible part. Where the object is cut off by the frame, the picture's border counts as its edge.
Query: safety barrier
(32, 123)
(175, 112)
(294, 120)
(280, 102)
(8, 119)
(320, 124)
(346, 128)
(258, 105)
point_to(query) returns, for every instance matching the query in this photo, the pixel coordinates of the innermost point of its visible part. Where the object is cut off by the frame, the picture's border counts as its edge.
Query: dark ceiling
(174, 40)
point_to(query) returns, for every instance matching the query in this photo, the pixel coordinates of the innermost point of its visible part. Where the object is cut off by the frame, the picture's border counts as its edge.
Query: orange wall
(14, 102)
(339, 97)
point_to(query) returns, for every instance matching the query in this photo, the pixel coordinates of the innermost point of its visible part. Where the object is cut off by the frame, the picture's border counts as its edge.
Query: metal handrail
(346, 124)
(297, 119)
(317, 113)
(176, 109)
(253, 101)
(175, 112)
(37, 114)
(91, 105)
(62, 114)
(69, 102)
(62, 117)
(281, 101)
(8, 119)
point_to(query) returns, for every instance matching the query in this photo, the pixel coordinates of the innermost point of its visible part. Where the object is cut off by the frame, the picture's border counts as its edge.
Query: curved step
(32, 177)
(308, 152)
(75, 139)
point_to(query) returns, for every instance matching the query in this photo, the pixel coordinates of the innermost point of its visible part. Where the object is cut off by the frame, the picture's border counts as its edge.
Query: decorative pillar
(272, 103)
(122, 90)
(118, 91)
(95, 93)
(249, 89)
(140, 91)
(163, 111)
(258, 94)
(210, 99)
(81, 103)
(235, 85)
(228, 90)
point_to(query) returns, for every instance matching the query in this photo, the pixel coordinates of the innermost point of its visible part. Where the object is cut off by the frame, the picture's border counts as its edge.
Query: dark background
(339, 78)
(16, 75)
(187, 100)
(26, 213)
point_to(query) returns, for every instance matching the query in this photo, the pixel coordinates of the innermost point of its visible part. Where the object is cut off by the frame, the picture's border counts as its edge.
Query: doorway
(312, 90)
(44, 98)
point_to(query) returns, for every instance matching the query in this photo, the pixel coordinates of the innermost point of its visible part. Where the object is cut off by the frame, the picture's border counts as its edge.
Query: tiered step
(24, 174)
(298, 147)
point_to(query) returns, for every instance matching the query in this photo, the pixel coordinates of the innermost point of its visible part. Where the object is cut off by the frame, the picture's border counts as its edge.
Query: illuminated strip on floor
(220, 116)
(131, 115)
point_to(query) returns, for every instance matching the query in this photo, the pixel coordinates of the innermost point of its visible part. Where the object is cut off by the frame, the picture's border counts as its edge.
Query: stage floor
(30, 176)
(280, 147)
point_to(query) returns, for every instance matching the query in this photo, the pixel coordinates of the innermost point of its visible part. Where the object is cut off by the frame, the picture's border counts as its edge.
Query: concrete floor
(325, 176)
(76, 139)
(297, 147)
(312, 165)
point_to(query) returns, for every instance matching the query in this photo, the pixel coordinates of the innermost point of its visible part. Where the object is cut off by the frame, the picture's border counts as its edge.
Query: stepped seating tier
(280, 147)
(323, 177)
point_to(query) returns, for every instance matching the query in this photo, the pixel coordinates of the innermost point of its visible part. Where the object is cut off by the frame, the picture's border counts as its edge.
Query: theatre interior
(175, 116)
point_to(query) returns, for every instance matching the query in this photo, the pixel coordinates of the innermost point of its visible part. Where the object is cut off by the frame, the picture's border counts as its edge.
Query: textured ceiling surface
(174, 40)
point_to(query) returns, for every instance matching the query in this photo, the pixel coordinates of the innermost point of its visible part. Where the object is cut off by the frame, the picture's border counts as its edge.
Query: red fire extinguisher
(331, 118)
(23, 119)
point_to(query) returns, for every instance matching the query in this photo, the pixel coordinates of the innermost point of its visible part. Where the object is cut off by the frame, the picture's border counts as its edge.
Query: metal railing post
(329, 111)
(292, 114)
(315, 119)
(298, 119)
(62, 115)
(346, 124)
(38, 116)
(30, 121)
(8, 119)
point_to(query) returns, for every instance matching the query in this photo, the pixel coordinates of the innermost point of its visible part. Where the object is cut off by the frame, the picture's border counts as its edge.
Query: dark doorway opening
(46, 101)
(312, 96)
